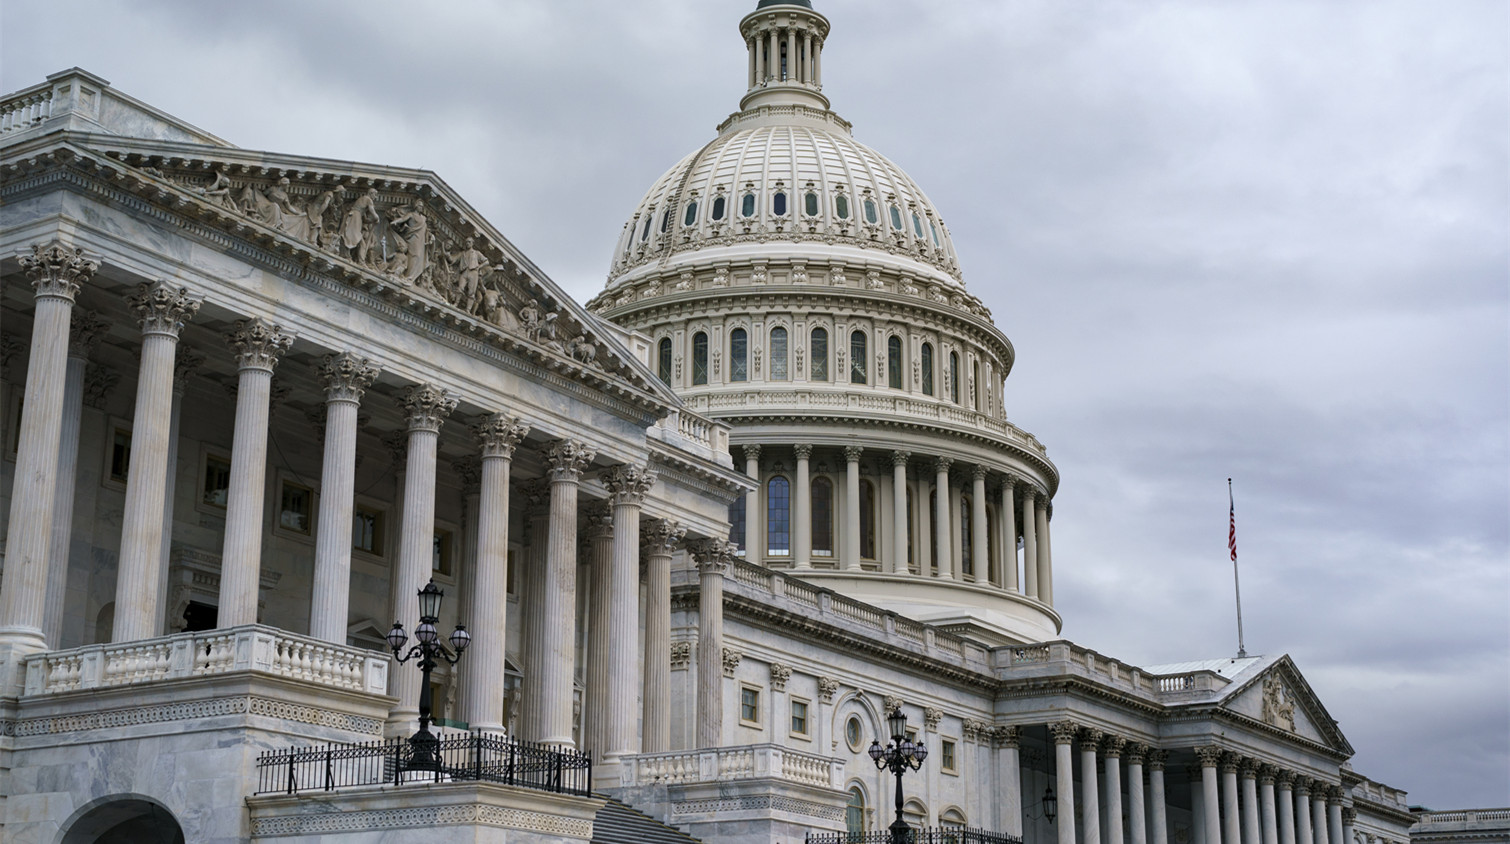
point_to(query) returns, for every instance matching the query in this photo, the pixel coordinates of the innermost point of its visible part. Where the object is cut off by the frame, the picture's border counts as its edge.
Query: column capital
(426, 406)
(752, 452)
(161, 308)
(931, 718)
(1302, 785)
(1135, 753)
(1247, 768)
(1113, 745)
(979, 471)
(1026, 491)
(1007, 736)
(56, 269)
(1009, 482)
(534, 493)
(827, 688)
(1349, 815)
(85, 328)
(186, 362)
(469, 472)
(1230, 762)
(731, 659)
(780, 674)
(397, 443)
(567, 459)
(599, 518)
(1267, 774)
(941, 464)
(1041, 502)
(852, 453)
(1064, 731)
(627, 483)
(1156, 758)
(1209, 755)
(1090, 738)
(802, 451)
(713, 556)
(346, 377)
(258, 344)
(890, 703)
(1334, 795)
(497, 434)
(1284, 779)
(900, 458)
(661, 536)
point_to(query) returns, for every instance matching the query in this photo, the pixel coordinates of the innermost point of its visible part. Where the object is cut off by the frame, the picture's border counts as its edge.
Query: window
(946, 755)
(718, 207)
(896, 218)
(912, 524)
(367, 530)
(294, 509)
(870, 211)
(810, 204)
(778, 203)
(739, 355)
(823, 517)
(917, 225)
(867, 520)
(820, 355)
(857, 368)
(954, 377)
(747, 205)
(841, 206)
(799, 718)
(645, 232)
(854, 734)
(854, 812)
(120, 455)
(778, 354)
(749, 706)
(691, 216)
(967, 562)
(894, 362)
(927, 366)
(665, 221)
(663, 362)
(778, 517)
(217, 481)
(935, 230)
(700, 358)
(440, 553)
(737, 523)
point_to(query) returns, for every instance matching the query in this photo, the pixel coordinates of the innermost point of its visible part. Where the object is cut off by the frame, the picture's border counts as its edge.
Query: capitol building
(698, 536)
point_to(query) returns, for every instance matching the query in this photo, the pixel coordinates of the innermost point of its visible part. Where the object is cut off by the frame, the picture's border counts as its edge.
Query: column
(750, 45)
(753, 534)
(661, 538)
(1030, 542)
(791, 55)
(627, 487)
(712, 557)
(1045, 566)
(899, 518)
(818, 64)
(595, 700)
(1303, 811)
(1158, 821)
(925, 529)
(346, 378)
(425, 407)
(1090, 799)
(1248, 783)
(1231, 821)
(942, 531)
(258, 345)
(1334, 816)
(1064, 777)
(85, 330)
(852, 507)
(1270, 830)
(566, 460)
(1113, 752)
(1285, 804)
(1136, 813)
(773, 60)
(978, 553)
(1209, 757)
(482, 704)
(807, 57)
(1009, 808)
(802, 509)
(162, 311)
(56, 272)
(186, 362)
(1009, 534)
(1349, 814)
(1318, 813)
(535, 496)
(759, 61)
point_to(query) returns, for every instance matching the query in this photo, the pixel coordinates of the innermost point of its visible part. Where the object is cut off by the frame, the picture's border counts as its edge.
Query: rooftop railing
(931, 835)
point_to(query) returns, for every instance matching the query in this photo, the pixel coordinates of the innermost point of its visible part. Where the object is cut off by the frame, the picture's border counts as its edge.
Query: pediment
(1279, 696)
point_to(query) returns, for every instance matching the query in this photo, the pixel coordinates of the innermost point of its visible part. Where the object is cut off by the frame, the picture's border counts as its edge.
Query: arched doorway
(124, 819)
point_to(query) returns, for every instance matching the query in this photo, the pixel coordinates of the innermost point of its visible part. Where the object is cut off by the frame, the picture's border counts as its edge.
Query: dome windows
(870, 211)
(858, 371)
(690, 217)
(747, 205)
(927, 367)
(739, 355)
(819, 349)
(917, 225)
(778, 203)
(778, 354)
(896, 218)
(778, 517)
(645, 232)
(810, 204)
(935, 229)
(841, 206)
(823, 517)
(663, 362)
(719, 204)
(894, 362)
(666, 221)
(954, 377)
(700, 358)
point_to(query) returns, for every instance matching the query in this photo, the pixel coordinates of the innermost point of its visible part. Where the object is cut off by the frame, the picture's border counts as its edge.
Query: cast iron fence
(932, 835)
(461, 756)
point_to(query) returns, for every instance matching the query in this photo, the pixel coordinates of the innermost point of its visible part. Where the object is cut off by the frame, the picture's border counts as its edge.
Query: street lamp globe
(460, 638)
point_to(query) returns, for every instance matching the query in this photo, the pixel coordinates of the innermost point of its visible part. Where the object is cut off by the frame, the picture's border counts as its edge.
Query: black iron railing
(461, 756)
(932, 835)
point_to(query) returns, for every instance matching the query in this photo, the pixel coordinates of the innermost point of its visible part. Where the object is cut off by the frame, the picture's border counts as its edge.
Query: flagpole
(1236, 586)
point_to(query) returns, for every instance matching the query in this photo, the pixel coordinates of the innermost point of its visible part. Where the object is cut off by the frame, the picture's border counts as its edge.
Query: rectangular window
(120, 455)
(749, 706)
(367, 530)
(778, 517)
(737, 523)
(799, 718)
(295, 509)
(778, 354)
(820, 355)
(440, 556)
(217, 481)
(946, 755)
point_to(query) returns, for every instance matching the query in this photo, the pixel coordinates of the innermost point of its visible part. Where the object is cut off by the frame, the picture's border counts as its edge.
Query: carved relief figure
(414, 228)
(1278, 709)
(539, 325)
(470, 265)
(219, 191)
(359, 228)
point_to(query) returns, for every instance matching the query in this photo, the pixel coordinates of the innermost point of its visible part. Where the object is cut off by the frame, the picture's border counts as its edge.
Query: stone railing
(1468, 818)
(1062, 657)
(26, 108)
(251, 647)
(684, 427)
(726, 764)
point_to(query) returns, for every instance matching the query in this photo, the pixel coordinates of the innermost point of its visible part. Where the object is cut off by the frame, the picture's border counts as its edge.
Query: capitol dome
(801, 287)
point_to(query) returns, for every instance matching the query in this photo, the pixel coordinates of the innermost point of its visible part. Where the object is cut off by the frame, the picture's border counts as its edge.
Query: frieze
(422, 817)
(162, 713)
(792, 805)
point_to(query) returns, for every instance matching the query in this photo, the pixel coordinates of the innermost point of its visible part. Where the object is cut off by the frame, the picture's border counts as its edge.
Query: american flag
(1231, 523)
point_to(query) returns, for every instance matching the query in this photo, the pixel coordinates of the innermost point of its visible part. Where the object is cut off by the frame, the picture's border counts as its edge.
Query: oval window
(810, 204)
(853, 733)
(870, 212)
(841, 206)
(747, 205)
(917, 225)
(691, 216)
(896, 218)
(778, 203)
(718, 208)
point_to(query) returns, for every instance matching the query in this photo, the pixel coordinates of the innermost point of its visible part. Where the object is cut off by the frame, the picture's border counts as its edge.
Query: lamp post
(424, 746)
(899, 756)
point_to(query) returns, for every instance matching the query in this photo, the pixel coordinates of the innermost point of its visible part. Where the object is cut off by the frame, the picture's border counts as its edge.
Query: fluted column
(162, 311)
(1137, 827)
(760, 73)
(802, 507)
(1090, 793)
(56, 272)
(627, 487)
(791, 56)
(85, 330)
(1064, 776)
(482, 703)
(1210, 756)
(1009, 535)
(899, 518)
(1269, 830)
(661, 538)
(1284, 804)
(1009, 807)
(258, 345)
(1334, 816)
(1349, 815)
(535, 496)
(754, 536)
(185, 363)
(1303, 812)
(980, 558)
(1045, 565)
(1158, 821)
(942, 529)
(567, 459)
(1231, 821)
(1248, 784)
(852, 507)
(346, 377)
(1318, 813)
(595, 700)
(1030, 543)
(1113, 754)
(712, 557)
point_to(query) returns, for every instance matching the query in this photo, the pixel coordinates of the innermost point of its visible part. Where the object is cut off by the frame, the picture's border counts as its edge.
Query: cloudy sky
(1264, 240)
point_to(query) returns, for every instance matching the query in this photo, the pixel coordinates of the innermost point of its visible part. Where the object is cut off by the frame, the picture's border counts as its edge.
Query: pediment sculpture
(1278, 707)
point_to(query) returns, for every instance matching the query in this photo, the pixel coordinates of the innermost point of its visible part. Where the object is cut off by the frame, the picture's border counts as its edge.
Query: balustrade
(725, 764)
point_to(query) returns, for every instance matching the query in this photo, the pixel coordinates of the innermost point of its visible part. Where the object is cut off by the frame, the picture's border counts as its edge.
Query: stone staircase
(617, 823)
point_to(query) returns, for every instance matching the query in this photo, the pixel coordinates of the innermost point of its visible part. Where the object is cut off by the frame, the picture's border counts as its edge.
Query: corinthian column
(1009, 809)
(1248, 782)
(535, 495)
(754, 551)
(425, 408)
(802, 507)
(1009, 535)
(1158, 821)
(712, 557)
(1284, 803)
(482, 703)
(980, 558)
(1113, 748)
(1232, 832)
(186, 362)
(1334, 815)
(1318, 813)
(258, 345)
(567, 460)
(661, 538)
(346, 378)
(1303, 812)
(56, 272)
(1090, 799)
(1064, 775)
(1045, 565)
(627, 487)
(852, 507)
(1030, 545)
(1269, 820)
(1136, 815)
(162, 311)
(1210, 756)
(596, 703)
(899, 512)
(942, 531)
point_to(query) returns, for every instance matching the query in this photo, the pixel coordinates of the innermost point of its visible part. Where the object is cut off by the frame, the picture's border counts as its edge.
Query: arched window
(739, 355)
(718, 207)
(645, 232)
(854, 812)
(778, 517)
(663, 362)
(778, 204)
(967, 562)
(870, 211)
(665, 221)
(841, 206)
(818, 350)
(896, 218)
(857, 355)
(823, 517)
(700, 358)
(954, 377)
(894, 362)
(810, 204)
(927, 364)
(691, 216)
(778, 354)
(867, 520)
(747, 205)
(737, 522)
